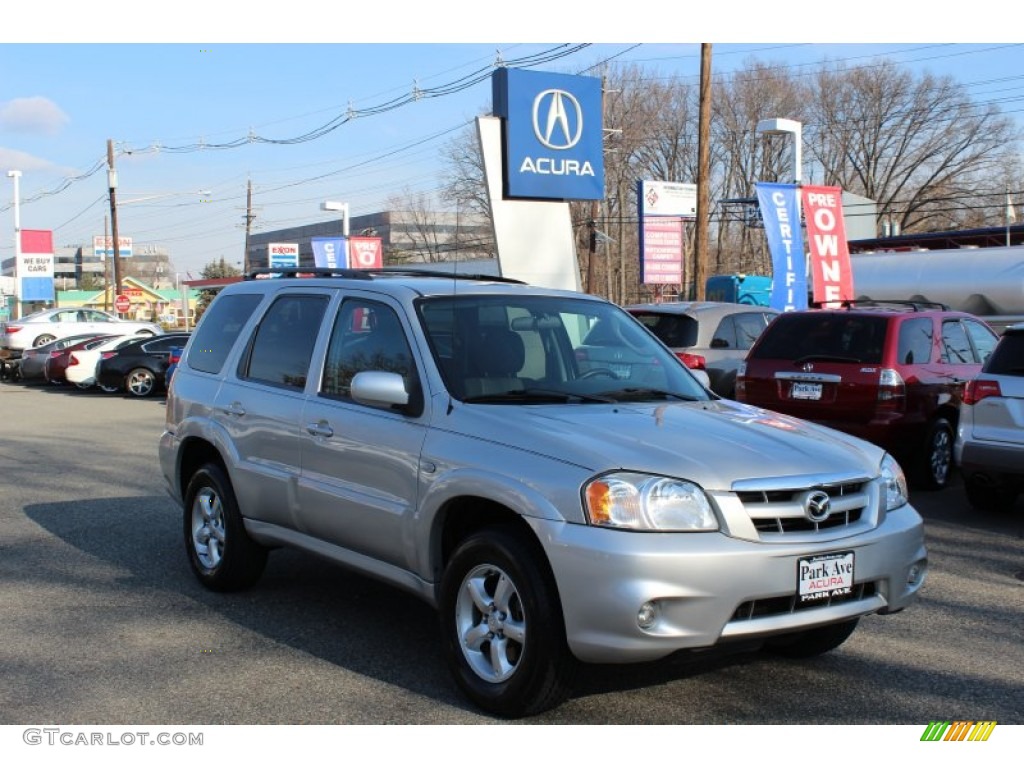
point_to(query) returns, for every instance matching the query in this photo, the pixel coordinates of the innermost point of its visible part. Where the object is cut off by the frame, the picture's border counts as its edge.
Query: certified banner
(781, 216)
(330, 252)
(826, 242)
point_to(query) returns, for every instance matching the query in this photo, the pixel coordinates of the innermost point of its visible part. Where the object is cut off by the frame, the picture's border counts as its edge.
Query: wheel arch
(195, 453)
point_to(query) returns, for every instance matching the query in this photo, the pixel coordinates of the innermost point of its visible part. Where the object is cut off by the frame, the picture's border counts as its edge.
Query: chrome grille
(781, 511)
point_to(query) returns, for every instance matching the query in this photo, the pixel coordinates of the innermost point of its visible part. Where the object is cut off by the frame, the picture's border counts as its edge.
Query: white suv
(990, 435)
(445, 434)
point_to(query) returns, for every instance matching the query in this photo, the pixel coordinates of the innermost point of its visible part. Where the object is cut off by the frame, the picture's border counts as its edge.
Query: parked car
(80, 365)
(138, 368)
(43, 327)
(893, 374)
(173, 358)
(709, 336)
(34, 359)
(990, 437)
(442, 433)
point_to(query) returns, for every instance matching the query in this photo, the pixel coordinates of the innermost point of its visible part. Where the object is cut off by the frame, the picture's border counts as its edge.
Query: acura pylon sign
(553, 134)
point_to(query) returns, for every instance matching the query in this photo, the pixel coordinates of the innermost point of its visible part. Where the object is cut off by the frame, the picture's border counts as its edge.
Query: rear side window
(956, 348)
(749, 327)
(218, 330)
(282, 346)
(673, 330)
(835, 336)
(1008, 357)
(916, 340)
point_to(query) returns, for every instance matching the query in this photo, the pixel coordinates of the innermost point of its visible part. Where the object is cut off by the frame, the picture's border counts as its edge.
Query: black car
(139, 368)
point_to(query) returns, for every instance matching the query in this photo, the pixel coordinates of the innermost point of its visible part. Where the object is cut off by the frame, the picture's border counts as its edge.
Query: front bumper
(710, 588)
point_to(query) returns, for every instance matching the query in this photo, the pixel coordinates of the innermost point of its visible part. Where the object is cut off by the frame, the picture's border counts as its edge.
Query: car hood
(713, 443)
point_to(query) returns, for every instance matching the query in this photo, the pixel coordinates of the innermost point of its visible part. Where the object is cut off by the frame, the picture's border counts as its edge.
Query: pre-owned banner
(826, 242)
(330, 252)
(366, 252)
(781, 216)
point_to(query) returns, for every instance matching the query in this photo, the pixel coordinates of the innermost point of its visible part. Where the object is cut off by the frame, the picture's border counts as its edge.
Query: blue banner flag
(781, 216)
(330, 252)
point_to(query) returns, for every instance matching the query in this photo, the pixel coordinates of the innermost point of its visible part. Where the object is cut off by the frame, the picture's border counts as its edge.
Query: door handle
(320, 429)
(235, 409)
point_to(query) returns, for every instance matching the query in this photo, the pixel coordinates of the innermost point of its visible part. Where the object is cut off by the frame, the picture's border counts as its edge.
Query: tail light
(107, 355)
(977, 390)
(175, 356)
(741, 380)
(72, 360)
(892, 392)
(692, 361)
(14, 328)
(54, 353)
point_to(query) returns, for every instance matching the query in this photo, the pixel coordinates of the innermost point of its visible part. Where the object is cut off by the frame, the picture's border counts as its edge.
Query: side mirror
(383, 389)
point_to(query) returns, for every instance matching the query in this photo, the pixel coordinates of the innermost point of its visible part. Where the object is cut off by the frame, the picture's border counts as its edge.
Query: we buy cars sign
(826, 243)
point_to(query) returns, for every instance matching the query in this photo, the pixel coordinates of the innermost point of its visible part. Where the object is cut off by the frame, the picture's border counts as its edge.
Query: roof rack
(916, 306)
(264, 273)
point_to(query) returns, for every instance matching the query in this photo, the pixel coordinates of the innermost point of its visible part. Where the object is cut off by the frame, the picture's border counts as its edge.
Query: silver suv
(990, 434)
(445, 435)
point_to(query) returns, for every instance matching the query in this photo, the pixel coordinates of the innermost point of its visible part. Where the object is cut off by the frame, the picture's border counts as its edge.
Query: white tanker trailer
(987, 282)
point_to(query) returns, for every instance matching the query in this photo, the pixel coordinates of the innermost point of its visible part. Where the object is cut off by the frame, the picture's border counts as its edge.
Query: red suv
(892, 374)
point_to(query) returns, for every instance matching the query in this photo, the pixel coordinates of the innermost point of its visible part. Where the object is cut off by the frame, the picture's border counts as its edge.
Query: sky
(344, 105)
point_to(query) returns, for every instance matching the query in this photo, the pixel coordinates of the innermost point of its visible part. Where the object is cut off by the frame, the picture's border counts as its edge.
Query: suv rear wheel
(936, 463)
(220, 552)
(502, 625)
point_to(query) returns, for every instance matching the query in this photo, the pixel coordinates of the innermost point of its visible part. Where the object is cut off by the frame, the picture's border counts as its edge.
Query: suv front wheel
(220, 551)
(502, 625)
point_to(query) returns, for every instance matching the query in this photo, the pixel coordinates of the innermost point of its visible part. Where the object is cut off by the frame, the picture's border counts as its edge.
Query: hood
(713, 443)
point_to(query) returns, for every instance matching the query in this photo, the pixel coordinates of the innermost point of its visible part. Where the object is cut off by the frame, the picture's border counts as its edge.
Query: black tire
(988, 496)
(935, 467)
(532, 670)
(221, 554)
(140, 382)
(812, 642)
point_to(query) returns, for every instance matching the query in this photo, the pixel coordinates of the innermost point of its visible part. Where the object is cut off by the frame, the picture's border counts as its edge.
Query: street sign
(122, 303)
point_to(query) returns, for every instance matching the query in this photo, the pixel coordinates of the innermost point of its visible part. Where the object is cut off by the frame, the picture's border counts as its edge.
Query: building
(407, 236)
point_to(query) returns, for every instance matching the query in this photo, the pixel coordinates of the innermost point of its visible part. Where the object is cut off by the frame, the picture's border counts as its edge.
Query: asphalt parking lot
(104, 623)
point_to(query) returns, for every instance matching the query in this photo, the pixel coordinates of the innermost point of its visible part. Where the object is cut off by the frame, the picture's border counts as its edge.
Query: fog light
(647, 615)
(916, 574)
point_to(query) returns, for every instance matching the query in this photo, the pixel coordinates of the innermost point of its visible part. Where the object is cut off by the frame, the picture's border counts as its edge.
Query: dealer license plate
(802, 390)
(824, 576)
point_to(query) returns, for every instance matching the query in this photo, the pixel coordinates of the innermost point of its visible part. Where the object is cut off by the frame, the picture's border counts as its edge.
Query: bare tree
(919, 146)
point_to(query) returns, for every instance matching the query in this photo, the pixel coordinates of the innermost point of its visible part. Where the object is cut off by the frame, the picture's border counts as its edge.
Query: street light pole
(331, 205)
(16, 176)
(780, 126)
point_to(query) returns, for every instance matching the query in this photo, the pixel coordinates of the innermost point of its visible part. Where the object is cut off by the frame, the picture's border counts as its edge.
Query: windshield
(549, 349)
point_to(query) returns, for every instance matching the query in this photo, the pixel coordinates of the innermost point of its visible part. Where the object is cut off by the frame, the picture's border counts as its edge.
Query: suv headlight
(647, 503)
(894, 483)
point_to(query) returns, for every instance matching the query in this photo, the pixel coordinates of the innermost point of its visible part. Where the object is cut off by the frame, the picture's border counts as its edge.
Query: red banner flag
(827, 245)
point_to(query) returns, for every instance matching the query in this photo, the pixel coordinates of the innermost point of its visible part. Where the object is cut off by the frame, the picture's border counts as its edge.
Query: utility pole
(700, 250)
(248, 226)
(106, 269)
(595, 210)
(112, 184)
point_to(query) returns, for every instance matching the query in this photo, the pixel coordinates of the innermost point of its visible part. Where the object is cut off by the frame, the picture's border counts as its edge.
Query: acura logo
(553, 125)
(808, 366)
(817, 506)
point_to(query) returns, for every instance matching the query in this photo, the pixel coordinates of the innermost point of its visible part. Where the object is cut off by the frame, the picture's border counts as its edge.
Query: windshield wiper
(636, 393)
(535, 395)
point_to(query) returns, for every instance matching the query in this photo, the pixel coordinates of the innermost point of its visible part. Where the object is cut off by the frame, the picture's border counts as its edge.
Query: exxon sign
(553, 134)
